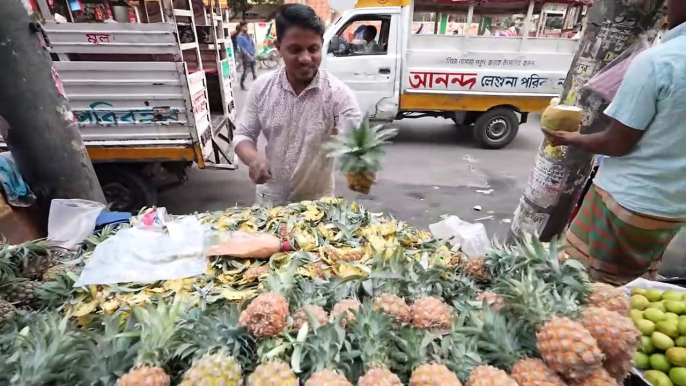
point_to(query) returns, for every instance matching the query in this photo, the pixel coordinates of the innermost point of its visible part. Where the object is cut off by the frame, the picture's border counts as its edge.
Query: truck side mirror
(333, 45)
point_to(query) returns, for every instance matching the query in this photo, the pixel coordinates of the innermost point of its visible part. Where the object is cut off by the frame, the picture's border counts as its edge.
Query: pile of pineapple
(364, 299)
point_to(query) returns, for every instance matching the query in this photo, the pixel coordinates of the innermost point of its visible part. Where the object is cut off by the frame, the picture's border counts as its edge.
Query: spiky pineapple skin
(492, 299)
(433, 375)
(327, 377)
(568, 348)
(273, 374)
(360, 182)
(430, 313)
(7, 310)
(57, 271)
(619, 367)
(265, 316)
(23, 292)
(489, 376)
(534, 372)
(214, 370)
(145, 376)
(599, 378)
(347, 306)
(609, 297)
(616, 334)
(254, 273)
(395, 306)
(300, 315)
(476, 268)
(378, 377)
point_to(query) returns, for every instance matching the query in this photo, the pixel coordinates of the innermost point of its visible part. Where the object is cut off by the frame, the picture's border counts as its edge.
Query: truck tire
(126, 188)
(496, 128)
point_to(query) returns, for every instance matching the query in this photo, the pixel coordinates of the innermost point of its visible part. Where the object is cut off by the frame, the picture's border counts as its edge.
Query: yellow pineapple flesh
(347, 306)
(433, 375)
(568, 348)
(534, 372)
(489, 376)
(609, 297)
(327, 377)
(273, 374)
(216, 369)
(266, 316)
(394, 306)
(145, 376)
(616, 334)
(379, 376)
(430, 313)
(317, 312)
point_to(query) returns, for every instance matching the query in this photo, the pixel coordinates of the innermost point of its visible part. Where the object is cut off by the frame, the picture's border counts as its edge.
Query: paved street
(430, 170)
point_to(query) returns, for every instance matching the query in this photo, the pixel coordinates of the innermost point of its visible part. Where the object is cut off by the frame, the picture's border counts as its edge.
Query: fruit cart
(149, 85)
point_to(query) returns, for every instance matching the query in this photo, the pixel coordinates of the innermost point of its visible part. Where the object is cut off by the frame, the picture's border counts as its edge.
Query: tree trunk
(42, 135)
(557, 180)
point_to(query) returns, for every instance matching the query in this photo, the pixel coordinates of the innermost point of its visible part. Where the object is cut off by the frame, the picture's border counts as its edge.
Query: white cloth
(296, 127)
(371, 47)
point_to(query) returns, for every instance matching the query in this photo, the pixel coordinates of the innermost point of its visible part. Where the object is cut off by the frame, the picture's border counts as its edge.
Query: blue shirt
(651, 180)
(246, 45)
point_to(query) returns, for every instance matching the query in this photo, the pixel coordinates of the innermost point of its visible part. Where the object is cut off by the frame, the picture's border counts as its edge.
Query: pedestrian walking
(297, 108)
(247, 53)
(637, 203)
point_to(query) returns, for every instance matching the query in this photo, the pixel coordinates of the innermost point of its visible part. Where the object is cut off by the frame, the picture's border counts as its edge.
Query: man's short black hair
(297, 15)
(371, 30)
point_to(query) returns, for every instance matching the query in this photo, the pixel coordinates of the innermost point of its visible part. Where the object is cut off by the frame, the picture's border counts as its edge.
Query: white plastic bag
(145, 255)
(471, 238)
(71, 221)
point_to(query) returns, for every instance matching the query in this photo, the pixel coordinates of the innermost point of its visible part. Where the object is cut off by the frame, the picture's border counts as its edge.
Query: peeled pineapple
(266, 316)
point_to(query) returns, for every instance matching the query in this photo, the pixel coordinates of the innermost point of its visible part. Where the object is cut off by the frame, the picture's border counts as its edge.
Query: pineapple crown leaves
(460, 354)
(46, 352)
(502, 259)
(217, 330)
(361, 148)
(499, 339)
(283, 282)
(161, 330)
(113, 351)
(569, 273)
(371, 335)
(309, 291)
(322, 348)
(414, 347)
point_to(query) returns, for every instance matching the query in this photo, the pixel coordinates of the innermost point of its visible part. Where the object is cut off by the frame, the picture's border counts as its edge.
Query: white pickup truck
(493, 82)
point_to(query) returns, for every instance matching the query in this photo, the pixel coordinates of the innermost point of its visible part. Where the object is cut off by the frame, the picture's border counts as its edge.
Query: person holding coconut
(637, 203)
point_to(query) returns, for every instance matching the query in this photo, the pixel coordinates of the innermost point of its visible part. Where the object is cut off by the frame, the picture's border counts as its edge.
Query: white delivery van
(482, 63)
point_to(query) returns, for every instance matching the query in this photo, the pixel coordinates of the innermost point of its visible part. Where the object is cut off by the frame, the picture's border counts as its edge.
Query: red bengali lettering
(464, 79)
(422, 79)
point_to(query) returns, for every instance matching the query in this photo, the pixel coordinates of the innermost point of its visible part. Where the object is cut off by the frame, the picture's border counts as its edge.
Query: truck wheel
(496, 128)
(126, 188)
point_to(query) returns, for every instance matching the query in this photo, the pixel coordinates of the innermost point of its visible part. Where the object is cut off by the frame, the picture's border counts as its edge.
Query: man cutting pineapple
(297, 108)
(638, 201)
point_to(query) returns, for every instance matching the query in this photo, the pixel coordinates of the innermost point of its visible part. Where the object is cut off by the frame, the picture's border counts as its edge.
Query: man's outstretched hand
(260, 171)
(561, 138)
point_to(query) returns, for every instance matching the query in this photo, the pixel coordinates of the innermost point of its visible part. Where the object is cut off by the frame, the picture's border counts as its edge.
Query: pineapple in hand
(359, 153)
